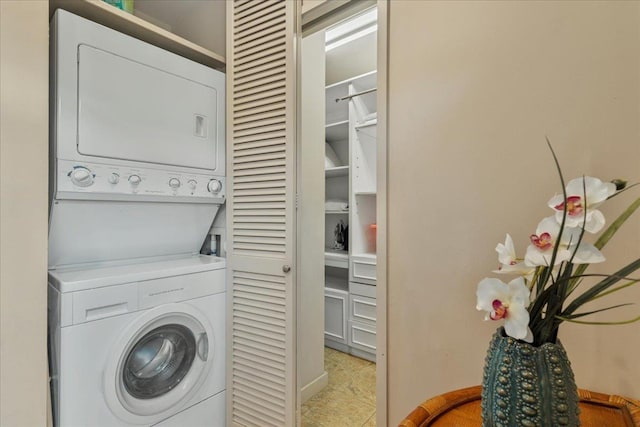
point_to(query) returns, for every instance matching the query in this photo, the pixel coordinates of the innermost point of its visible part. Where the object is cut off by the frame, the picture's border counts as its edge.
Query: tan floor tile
(371, 422)
(362, 385)
(349, 398)
(334, 410)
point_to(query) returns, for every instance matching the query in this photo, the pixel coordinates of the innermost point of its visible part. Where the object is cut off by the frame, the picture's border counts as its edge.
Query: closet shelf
(336, 258)
(336, 283)
(337, 131)
(131, 25)
(370, 123)
(366, 81)
(365, 256)
(337, 124)
(336, 212)
(337, 171)
(364, 193)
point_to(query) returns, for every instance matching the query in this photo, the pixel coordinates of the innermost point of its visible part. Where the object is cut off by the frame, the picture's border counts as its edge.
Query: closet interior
(350, 187)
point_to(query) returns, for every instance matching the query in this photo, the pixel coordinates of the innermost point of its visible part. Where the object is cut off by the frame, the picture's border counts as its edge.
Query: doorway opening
(337, 224)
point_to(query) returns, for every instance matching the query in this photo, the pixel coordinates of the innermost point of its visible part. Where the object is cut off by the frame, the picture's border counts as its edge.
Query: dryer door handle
(203, 346)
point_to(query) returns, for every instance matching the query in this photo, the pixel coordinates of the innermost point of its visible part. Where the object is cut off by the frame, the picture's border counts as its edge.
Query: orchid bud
(619, 183)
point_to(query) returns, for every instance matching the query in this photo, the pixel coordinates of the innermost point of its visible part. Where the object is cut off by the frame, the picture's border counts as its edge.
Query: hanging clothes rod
(356, 94)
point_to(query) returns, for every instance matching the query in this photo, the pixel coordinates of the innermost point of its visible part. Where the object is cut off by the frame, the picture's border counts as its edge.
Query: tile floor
(349, 400)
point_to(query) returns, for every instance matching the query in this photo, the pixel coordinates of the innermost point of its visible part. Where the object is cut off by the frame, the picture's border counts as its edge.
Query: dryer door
(132, 111)
(159, 363)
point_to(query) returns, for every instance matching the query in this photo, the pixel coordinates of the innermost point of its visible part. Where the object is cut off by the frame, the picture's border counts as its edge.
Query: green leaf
(619, 288)
(584, 322)
(615, 226)
(556, 246)
(602, 286)
(607, 235)
(575, 316)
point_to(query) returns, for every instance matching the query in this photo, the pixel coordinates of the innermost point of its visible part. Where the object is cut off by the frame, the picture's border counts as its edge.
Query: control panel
(120, 182)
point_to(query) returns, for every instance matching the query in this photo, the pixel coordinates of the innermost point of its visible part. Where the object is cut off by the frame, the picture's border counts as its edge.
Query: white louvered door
(261, 382)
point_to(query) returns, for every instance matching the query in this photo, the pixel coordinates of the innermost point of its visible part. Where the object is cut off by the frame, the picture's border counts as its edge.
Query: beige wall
(23, 212)
(474, 88)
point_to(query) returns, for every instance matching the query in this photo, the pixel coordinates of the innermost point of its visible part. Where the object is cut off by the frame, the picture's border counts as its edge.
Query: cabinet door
(335, 315)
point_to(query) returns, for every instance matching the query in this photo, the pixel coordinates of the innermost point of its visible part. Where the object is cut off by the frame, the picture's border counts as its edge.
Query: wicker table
(461, 408)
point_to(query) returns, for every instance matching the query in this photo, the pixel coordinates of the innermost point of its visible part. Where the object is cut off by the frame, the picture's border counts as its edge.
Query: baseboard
(363, 354)
(314, 386)
(336, 345)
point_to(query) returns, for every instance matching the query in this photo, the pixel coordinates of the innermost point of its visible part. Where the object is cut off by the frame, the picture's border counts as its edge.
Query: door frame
(318, 18)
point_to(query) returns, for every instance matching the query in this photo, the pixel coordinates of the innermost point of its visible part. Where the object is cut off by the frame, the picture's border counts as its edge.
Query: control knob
(174, 183)
(81, 176)
(192, 184)
(114, 178)
(135, 179)
(214, 186)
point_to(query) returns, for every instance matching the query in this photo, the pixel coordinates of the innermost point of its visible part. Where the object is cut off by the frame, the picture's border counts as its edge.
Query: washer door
(158, 364)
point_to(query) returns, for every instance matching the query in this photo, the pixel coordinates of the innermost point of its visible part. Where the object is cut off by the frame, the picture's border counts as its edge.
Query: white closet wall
(311, 183)
(352, 59)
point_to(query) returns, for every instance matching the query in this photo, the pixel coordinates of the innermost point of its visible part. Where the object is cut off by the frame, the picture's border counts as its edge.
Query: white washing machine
(136, 315)
(139, 344)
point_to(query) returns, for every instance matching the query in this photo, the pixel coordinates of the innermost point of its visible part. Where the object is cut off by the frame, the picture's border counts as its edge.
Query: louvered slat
(256, 77)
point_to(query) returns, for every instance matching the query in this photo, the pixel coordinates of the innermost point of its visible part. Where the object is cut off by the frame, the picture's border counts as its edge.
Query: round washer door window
(159, 361)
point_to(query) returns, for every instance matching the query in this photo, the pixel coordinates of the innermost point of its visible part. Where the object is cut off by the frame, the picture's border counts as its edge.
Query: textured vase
(528, 386)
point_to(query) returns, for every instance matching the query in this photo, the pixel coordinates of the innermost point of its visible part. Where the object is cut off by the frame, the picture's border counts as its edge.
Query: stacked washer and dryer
(136, 314)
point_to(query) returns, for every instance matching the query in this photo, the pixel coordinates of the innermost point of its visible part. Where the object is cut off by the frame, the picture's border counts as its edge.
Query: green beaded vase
(528, 386)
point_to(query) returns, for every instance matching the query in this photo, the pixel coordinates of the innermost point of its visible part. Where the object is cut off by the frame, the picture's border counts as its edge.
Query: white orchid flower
(540, 252)
(508, 302)
(509, 262)
(595, 192)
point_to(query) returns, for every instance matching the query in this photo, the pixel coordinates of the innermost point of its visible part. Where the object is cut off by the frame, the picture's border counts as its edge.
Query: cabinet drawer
(362, 289)
(362, 336)
(362, 309)
(363, 270)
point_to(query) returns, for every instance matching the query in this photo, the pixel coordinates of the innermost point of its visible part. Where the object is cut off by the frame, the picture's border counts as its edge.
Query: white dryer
(137, 147)
(139, 344)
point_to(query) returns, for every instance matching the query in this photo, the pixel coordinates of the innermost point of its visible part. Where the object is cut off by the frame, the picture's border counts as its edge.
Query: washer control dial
(192, 184)
(174, 183)
(214, 186)
(81, 176)
(114, 178)
(135, 179)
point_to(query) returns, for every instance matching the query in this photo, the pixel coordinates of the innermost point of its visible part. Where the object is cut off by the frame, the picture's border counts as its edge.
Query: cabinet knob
(286, 268)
